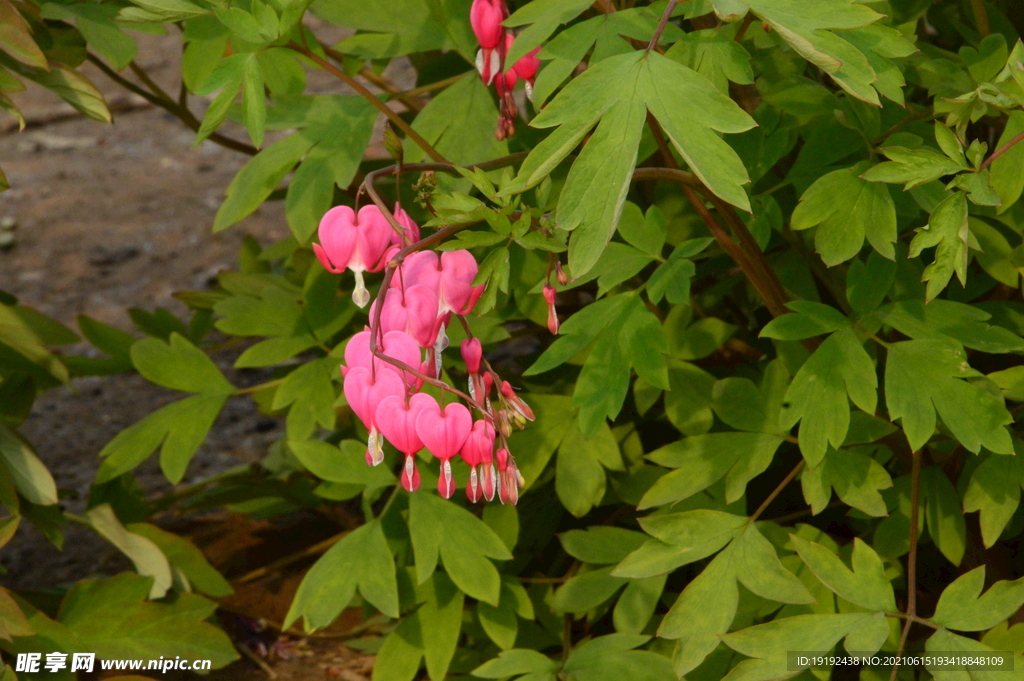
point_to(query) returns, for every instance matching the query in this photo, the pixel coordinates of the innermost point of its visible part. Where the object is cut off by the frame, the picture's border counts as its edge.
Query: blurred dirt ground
(109, 217)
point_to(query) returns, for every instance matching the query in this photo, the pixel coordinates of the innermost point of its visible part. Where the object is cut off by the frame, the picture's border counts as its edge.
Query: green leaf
(994, 490)
(463, 542)
(542, 18)
(741, 404)
(817, 397)
(16, 37)
(161, 11)
(865, 585)
(254, 103)
(949, 230)
(768, 643)
(1007, 171)
(946, 319)
(96, 24)
(944, 642)
(579, 474)
(637, 604)
(259, 177)
(943, 514)
(702, 338)
(149, 560)
(68, 84)
(29, 475)
(701, 461)
(759, 569)
(500, 623)
(180, 427)
(178, 365)
(441, 621)
(344, 464)
(601, 545)
(310, 393)
(360, 560)
(459, 122)
(925, 376)
(912, 167)
(112, 618)
(645, 233)
(702, 613)
(996, 253)
(399, 657)
(609, 657)
(513, 662)
(602, 385)
(854, 474)
(963, 607)
(594, 193)
(579, 330)
(680, 539)
(586, 591)
(715, 56)
(845, 209)
(183, 555)
(811, 319)
(671, 280)
(688, 402)
(867, 284)
(534, 446)
(18, 335)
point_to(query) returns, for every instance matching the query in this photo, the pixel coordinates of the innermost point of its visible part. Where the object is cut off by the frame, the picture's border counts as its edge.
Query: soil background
(111, 217)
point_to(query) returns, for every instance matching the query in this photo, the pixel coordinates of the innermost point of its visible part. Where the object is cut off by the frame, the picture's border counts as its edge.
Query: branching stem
(911, 614)
(777, 491)
(1002, 150)
(395, 119)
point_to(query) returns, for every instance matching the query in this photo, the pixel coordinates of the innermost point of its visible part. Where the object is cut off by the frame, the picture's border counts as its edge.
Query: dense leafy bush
(771, 420)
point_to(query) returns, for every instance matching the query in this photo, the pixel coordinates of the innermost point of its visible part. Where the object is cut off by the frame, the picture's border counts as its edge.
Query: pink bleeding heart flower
(364, 391)
(413, 311)
(443, 431)
(396, 419)
(485, 16)
(420, 268)
(355, 242)
(412, 230)
(526, 68)
(549, 296)
(478, 452)
(458, 270)
(395, 344)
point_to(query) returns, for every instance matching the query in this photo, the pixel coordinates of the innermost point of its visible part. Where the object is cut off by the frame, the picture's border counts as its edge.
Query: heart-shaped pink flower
(364, 391)
(413, 311)
(396, 420)
(443, 431)
(355, 242)
(395, 344)
(412, 230)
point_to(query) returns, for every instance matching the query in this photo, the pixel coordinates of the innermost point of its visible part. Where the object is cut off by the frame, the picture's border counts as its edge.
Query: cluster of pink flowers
(486, 16)
(426, 290)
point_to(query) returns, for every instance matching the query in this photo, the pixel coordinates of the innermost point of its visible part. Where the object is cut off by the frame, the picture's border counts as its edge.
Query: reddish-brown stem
(665, 16)
(1002, 150)
(981, 17)
(915, 500)
(777, 491)
(397, 120)
(747, 254)
(747, 21)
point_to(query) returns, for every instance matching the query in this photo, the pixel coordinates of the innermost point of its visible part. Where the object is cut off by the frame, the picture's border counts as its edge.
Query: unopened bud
(560, 275)
(472, 353)
(549, 295)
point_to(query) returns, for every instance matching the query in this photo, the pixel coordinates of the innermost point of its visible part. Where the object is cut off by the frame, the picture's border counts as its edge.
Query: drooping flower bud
(486, 16)
(472, 353)
(549, 295)
(526, 68)
(515, 403)
(478, 452)
(560, 275)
